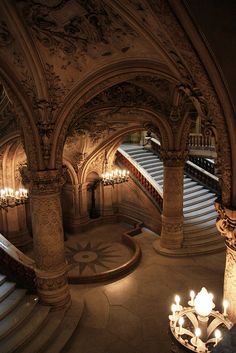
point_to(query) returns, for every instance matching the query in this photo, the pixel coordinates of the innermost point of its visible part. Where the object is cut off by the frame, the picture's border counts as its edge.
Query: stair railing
(204, 177)
(16, 264)
(140, 175)
(198, 168)
(199, 141)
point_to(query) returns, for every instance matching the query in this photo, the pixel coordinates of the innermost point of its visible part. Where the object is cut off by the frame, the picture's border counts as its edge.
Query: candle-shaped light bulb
(225, 306)
(192, 296)
(177, 300)
(217, 336)
(181, 322)
(173, 309)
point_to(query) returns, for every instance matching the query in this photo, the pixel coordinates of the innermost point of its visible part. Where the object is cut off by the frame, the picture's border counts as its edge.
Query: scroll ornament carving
(93, 23)
(226, 224)
(97, 125)
(173, 158)
(51, 284)
(123, 95)
(5, 35)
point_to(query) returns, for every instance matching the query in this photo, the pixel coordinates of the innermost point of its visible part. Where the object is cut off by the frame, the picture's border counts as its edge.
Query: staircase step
(194, 189)
(200, 192)
(5, 289)
(200, 199)
(24, 333)
(68, 325)
(199, 213)
(198, 206)
(148, 162)
(10, 302)
(189, 184)
(196, 228)
(45, 336)
(200, 219)
(2, 279)
(17, 316)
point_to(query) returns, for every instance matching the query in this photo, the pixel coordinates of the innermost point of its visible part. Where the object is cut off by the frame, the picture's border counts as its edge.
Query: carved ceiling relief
(74, 30)
(8, 122)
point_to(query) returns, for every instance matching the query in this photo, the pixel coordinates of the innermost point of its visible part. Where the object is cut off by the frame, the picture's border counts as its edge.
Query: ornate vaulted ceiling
(58, 57)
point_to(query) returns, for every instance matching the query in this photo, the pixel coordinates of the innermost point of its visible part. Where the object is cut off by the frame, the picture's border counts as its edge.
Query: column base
(172, 232)
(53, 289)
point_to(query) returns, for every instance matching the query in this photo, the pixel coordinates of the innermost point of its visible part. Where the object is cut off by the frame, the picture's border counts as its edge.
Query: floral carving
(173, 158)
(90, 23)
(5, 35)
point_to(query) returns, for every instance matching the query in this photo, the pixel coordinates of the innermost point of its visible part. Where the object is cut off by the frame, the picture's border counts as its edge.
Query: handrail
(141, 175)
(204, 163)
(16, 264)
(199, 174)
(199, 141)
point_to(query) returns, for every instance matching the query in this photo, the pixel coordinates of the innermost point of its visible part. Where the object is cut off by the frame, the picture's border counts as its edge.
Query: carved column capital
(173, 158)
(226, 223)
(46, 182)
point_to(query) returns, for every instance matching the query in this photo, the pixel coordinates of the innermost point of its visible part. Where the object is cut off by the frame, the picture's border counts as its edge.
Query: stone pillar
(226, 224)
(48, 238)
(172, 214)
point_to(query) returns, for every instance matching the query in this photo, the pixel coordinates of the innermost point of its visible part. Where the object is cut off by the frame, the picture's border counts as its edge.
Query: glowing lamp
(203, 303)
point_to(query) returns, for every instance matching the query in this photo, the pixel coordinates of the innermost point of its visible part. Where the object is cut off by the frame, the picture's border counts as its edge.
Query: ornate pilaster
(49, 238)
(226, 224)
(172, 215)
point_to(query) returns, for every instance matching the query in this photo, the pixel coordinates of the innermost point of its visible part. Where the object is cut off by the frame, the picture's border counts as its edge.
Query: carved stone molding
(5, 35)
(226, 223)
(46, 182)
(173, 158)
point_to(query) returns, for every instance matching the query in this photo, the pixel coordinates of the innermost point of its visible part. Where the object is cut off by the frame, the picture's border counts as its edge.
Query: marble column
(226, 224)
(48, 238)
(172, 214)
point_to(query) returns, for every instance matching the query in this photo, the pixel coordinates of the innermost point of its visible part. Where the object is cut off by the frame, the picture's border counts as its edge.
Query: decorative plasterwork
(226, 223)
(173, 158)
(8, 121)
(75, 28)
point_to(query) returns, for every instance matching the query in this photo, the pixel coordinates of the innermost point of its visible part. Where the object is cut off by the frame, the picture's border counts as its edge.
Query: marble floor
(130, 315)
(97, 250)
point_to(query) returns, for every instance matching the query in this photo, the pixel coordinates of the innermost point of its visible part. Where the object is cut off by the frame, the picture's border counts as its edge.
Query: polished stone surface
(130, 315)
(97, 250)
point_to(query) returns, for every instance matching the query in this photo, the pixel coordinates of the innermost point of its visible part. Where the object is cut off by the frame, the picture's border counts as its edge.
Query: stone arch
(98, 82)
(152, 119)
(24, 114)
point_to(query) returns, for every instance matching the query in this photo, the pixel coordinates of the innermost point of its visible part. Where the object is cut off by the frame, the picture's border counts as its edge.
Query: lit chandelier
(11, 198)
(197, 327)
(116, 176)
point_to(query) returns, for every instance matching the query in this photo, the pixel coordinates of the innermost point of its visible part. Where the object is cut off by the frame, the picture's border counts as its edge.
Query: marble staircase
(200, 233)
(26, 326)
